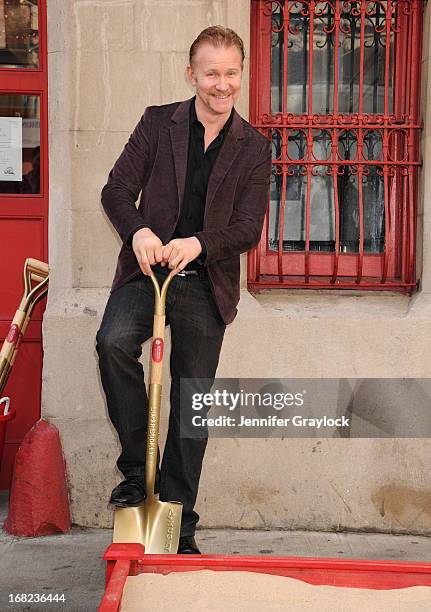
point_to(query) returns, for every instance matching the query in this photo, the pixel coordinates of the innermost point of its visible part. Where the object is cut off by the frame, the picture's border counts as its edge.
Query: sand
(217, 591)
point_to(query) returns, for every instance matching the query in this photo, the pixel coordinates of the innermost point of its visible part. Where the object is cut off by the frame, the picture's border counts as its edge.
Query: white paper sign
(10, 149)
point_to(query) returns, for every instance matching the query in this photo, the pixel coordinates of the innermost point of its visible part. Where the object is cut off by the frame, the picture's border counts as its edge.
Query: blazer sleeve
(126, 179)
(245, 226)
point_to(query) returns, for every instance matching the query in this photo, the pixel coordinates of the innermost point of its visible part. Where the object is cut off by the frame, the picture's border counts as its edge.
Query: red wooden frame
(28, 208)
(394, 268)
(123, 560)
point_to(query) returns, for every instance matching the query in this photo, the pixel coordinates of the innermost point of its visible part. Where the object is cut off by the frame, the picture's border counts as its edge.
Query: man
(204, 176)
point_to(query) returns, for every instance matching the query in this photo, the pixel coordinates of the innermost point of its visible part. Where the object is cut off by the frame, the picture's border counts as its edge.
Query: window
(19, 34)
(335, 87)
(23, 97)
(19, 144)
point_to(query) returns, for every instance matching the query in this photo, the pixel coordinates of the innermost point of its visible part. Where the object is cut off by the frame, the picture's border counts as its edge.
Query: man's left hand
(179, 252)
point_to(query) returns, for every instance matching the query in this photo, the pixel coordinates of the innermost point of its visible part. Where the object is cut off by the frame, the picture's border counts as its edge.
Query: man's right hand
(147, 248)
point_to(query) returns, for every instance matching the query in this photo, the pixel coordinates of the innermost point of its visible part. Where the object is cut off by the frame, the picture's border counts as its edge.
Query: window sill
(328, 306)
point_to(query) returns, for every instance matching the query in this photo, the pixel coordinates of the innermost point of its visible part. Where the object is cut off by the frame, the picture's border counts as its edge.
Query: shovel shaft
(155, 385)
(5, 369)
(13, 335)
(154, 400)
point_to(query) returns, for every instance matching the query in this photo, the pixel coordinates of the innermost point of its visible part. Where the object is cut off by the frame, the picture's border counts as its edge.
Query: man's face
(216, 74)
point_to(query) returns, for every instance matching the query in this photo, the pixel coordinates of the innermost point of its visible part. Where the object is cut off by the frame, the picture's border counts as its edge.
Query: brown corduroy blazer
(154, 161)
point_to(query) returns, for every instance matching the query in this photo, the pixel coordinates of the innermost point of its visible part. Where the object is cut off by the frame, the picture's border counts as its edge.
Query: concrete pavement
(72, 564)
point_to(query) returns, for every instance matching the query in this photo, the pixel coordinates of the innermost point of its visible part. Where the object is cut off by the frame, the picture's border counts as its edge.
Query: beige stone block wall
(108, 59)
(59, 227)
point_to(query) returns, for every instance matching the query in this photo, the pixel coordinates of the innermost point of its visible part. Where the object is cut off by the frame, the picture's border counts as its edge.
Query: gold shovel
(154, 524)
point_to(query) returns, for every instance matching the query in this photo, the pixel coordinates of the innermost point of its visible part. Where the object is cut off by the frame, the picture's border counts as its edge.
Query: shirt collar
(194, 118)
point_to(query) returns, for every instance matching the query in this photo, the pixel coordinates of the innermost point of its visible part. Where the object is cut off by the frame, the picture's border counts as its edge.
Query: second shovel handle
(37, 267)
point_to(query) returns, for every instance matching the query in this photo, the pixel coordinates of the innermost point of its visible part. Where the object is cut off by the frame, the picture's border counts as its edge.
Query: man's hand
(180, 251)
(147, 248)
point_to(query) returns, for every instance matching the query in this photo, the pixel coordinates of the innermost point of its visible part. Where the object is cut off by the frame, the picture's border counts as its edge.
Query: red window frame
(394, 268)
(31, 81)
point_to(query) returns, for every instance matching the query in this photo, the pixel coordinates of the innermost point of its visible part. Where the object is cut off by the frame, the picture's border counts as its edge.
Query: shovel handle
(37, 278)
(35, 271)
(37, 267)
(160, 293)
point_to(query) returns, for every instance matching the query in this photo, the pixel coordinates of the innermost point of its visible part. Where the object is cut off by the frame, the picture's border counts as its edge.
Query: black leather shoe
(130, 492)
(188, 546)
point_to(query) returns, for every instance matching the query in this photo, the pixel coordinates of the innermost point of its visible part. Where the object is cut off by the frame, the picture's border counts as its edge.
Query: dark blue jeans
(197, 332)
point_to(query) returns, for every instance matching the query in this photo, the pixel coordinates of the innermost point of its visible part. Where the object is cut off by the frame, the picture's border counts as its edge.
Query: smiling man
(203, 173)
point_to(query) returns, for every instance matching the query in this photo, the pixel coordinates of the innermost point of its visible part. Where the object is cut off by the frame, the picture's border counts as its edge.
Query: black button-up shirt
(199, 167)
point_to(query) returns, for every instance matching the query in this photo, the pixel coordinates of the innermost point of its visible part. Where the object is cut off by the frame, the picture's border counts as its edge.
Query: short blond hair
(218, 36)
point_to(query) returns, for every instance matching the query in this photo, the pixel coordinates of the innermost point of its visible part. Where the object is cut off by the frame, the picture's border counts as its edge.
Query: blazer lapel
(179, 133)
(229, 152)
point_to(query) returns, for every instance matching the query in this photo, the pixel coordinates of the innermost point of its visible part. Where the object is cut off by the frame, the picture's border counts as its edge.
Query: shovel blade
(154, 524)
(129, 525)
(162, 527)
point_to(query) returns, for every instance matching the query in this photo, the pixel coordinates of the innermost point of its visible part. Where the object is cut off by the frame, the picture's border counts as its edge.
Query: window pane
(323, 60)
(374, 210)
(294, 211)
(297, 81)
(298, 36)
(277, 60)
(322, 212)
(19, 34)
(374, 60)
(322, 209)
(274, 208)
(292, 27)
(19, 144)
(348, 198)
